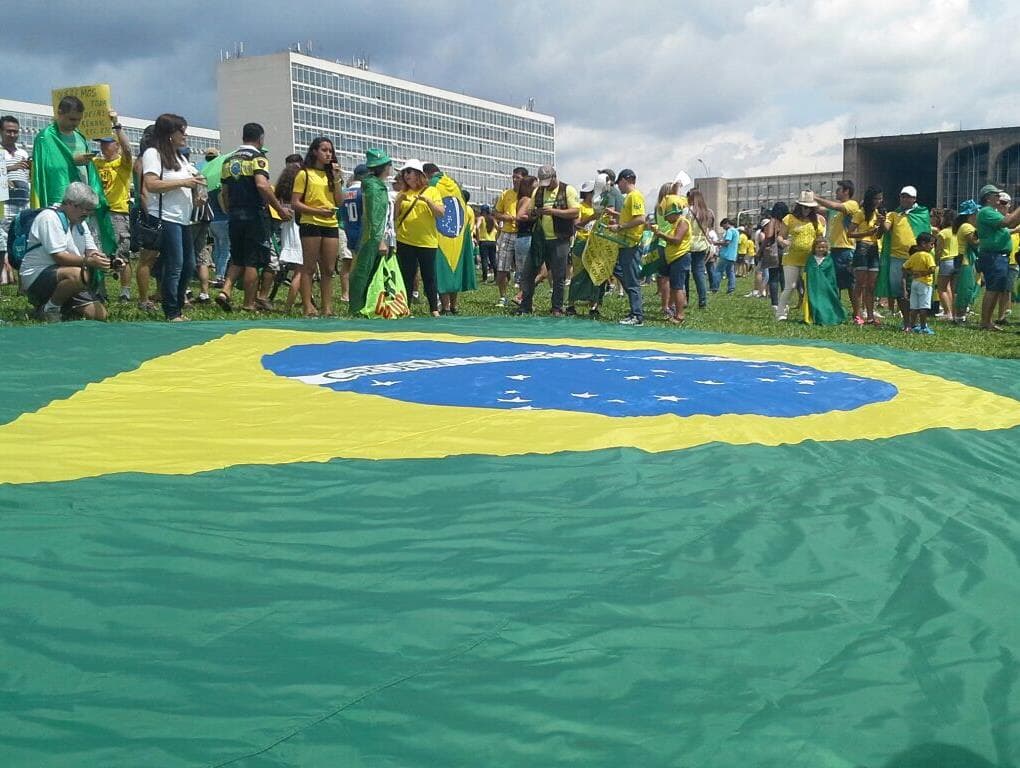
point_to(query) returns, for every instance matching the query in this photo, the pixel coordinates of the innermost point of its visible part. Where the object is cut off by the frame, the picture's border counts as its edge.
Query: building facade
(744, 199)
(35, 117)
(297, 98)
(946, 167)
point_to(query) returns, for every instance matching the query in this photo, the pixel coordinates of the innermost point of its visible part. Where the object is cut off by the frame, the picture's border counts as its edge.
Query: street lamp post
(708, 172)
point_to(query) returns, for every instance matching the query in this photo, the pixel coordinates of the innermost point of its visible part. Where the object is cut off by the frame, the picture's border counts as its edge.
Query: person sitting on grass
(60, 251)
(921, 268)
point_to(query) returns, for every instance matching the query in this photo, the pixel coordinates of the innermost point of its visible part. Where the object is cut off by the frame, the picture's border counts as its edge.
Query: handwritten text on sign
(96, 98)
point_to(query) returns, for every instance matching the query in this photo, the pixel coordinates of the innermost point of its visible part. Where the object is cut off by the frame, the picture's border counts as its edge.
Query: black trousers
(412, 258)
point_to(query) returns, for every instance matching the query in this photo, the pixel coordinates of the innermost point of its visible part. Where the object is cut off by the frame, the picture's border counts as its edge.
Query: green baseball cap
(376, 157)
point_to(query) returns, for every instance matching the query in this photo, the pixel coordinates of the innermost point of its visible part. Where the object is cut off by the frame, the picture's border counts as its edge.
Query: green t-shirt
(991, 234)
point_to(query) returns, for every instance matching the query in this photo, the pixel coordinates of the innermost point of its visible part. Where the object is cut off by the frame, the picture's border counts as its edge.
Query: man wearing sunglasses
(60, 251)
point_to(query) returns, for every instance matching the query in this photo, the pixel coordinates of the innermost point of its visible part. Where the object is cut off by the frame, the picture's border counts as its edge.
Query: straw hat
(807, 199)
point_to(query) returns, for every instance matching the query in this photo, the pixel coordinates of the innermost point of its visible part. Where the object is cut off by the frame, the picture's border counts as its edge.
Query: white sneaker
(501, 302)
(50, 314)
(632, 321)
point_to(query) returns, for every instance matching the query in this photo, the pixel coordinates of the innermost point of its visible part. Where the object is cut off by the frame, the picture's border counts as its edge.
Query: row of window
(357, 134)
(404, 97)
(343, 105)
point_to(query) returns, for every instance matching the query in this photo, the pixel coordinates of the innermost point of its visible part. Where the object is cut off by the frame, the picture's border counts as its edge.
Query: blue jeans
(700, 275)
(729, 268)
(221, 246)
(628, 269)
(176, 266)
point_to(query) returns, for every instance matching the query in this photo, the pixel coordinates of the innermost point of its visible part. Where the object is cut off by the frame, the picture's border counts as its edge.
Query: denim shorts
(947, 267)
(866, 257)
(896, 277)
(679, 271)
(995, 268)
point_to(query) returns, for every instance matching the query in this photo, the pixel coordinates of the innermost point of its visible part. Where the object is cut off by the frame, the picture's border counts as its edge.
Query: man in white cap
(556, 207)
(903, 225)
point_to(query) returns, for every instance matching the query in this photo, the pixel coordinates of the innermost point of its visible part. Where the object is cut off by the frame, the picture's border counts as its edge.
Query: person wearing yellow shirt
(677, 236)
(505, 214)
(947, 249)
(745, 252)
(486, 231)
(865, 229)
(416, 209)
(630, 223)
(841, 246)
(555, 207)
(921, 267)
(800, 228)
(318, 190)
(114, 167)
(902, 239)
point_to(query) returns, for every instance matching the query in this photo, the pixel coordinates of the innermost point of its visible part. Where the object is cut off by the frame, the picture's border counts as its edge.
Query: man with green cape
(60, 155)
(374, 269)
(902, 227)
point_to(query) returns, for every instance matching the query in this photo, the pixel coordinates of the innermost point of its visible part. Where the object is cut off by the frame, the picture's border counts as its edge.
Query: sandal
(223, 302)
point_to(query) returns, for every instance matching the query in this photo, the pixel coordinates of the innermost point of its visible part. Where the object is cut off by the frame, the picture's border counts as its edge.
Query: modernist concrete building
(946, 167)
(297, 97)
(35, 117)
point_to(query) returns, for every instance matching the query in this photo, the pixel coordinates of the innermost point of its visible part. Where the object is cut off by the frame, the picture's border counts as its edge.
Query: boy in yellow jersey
(630, 223)
(921, 267)
(506, 214)
(114, 169)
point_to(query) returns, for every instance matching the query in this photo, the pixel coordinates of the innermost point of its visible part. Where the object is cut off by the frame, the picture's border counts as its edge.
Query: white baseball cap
(909, 190)
(414, 165)
(588, 186)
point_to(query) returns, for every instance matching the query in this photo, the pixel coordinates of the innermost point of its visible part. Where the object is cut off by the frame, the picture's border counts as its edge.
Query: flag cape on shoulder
(821, 295)
(375, 206)
(455, 257)
(920, 221)
(53, 169)
(965, 286)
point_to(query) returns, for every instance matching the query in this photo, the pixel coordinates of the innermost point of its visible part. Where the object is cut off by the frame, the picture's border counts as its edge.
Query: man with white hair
(60, 250)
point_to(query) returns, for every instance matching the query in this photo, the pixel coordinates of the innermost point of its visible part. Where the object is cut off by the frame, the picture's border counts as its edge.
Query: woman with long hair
(947, 248)
(284, 190)
(866, 229)
(169, 181)
(417, 208)
(772, 248)
(702, 220)
(318, 190)
(801, 228)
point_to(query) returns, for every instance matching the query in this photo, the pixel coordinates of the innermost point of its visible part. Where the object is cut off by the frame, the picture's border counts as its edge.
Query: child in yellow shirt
(922, 268)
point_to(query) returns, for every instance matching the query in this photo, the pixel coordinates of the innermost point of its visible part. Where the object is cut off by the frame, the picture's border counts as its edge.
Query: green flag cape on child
(53, 169)
(821, 296)
(920, 221)
(455, 256)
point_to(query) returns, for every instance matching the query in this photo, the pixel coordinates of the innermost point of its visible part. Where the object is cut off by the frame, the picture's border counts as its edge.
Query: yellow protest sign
(96, 98)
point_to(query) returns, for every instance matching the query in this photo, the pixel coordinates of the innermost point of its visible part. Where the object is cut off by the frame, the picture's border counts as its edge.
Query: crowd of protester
(77, 219)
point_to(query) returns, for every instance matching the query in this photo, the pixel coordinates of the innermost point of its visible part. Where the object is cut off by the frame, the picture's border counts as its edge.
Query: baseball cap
(545, 174)
(988, 189)
(1005, 198)
(106, 140)
(628, 174)
(588, 186)
(361, 170)
(909, 190)
(412, 165)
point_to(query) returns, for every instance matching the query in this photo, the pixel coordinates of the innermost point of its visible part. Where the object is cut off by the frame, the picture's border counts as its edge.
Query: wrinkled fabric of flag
(516, 596)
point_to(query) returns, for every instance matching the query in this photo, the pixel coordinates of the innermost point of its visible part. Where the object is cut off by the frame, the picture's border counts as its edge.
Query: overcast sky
(746, 87)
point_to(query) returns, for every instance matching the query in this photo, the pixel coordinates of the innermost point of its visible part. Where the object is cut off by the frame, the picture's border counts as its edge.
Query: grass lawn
(725, 314)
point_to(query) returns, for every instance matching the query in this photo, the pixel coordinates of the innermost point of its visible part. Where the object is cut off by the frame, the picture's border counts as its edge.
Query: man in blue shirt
(727, 261)
(350, 221)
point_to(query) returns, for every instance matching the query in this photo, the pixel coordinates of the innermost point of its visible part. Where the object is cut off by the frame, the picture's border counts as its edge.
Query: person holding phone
(318, 191)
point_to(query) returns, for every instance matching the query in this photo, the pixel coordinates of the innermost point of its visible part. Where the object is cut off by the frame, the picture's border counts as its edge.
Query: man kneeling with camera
(61, 250)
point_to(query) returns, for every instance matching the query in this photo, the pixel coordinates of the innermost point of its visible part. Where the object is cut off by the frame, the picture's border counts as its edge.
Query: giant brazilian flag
(455, 257)
(498, 543)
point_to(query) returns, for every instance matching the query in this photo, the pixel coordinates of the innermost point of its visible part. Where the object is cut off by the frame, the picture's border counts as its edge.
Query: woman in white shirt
(169, 180)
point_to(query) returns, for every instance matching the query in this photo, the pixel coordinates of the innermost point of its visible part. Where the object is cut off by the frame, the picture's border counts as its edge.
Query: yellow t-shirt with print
(840, 224)
(675, 251)
(802, 236)
(116, 178)
(313, 186)
(507, 205)
(862, 225)
(586, 210)
(633, 208)
(416, 224)
(903, 237)
(950, 245)
(920, 261)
